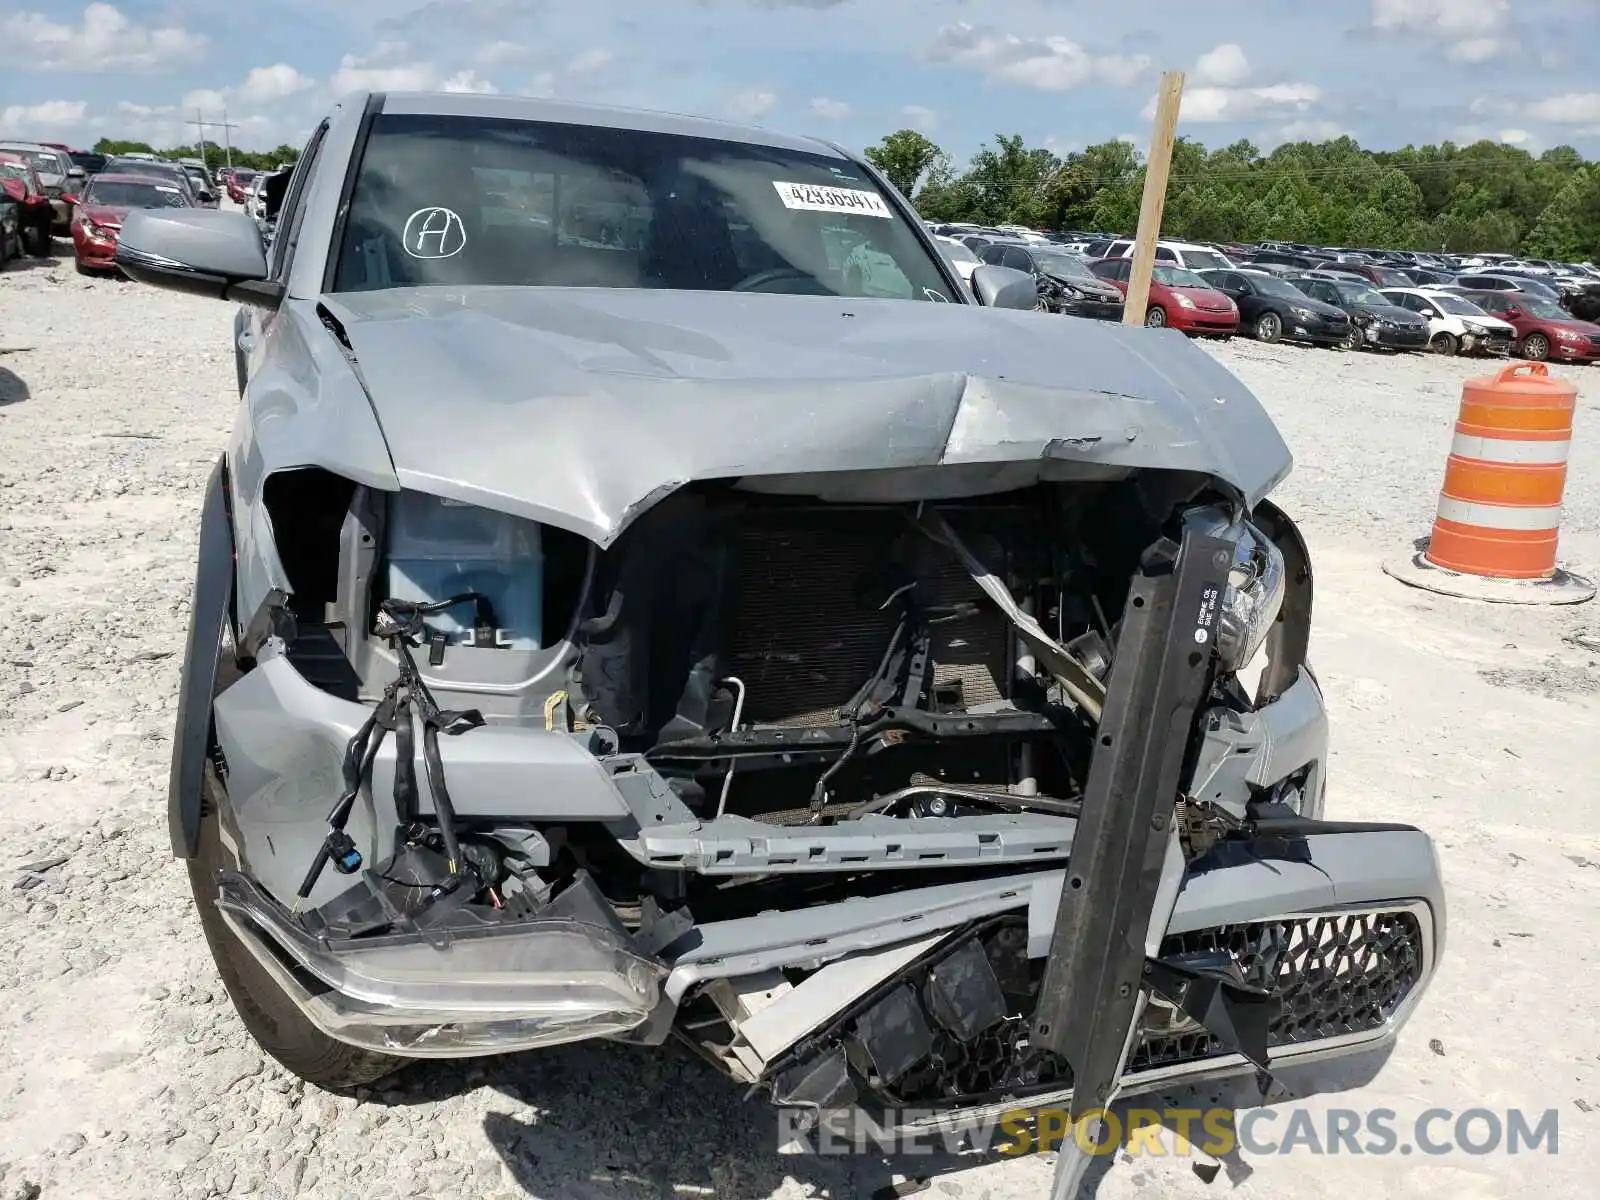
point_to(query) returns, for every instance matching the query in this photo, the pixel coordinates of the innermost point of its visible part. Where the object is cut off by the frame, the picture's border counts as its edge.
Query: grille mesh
(1333, 976)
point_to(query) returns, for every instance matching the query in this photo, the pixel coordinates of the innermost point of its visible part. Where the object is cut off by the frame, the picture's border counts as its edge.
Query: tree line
(1486, 196)
(217, 156)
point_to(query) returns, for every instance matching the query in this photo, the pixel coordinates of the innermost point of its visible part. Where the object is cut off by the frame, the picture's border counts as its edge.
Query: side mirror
(1003, 287)
(13, 188)
(202, 251)
(1513, 311)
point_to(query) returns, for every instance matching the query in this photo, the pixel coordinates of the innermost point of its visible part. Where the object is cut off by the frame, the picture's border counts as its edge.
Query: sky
(1063, 73)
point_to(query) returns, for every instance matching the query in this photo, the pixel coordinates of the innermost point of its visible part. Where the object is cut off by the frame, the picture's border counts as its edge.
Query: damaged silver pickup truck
(646, 595)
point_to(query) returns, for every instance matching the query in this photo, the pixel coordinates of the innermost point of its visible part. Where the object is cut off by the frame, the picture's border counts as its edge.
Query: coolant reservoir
(441, 548)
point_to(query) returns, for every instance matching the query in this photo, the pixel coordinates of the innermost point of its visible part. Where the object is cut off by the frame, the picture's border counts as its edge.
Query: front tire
(1351, 341)
(270, 1016)
(1156, 318)
(1269, 328)
(1446, 344)
(1536, 347)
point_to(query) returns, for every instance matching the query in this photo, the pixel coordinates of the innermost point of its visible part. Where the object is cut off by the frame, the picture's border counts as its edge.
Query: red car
(1178, 297)
(1545, 330)
(20, 182)
(106, 199)
(239, 181)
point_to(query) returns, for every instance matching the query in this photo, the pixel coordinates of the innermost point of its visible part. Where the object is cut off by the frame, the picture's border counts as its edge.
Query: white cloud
(491, 53)
(1473, 30)
(1225, 66)
(1208, 104)
(468, 81)
(1572, 108)
(825, 109)
(48, 116)
(377, 73)
(751, 104)
(1312, 131)
(105, 41)
(1050, 64)
(591, 61)
(920, 118)
(277, 82)
(1515, 137)
(541, 87)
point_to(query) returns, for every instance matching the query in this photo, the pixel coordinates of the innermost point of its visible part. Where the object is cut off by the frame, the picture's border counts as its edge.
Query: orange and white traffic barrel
(1499, 516)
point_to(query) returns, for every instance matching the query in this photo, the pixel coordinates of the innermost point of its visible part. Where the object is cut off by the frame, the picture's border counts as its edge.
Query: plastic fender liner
(1090, 994)
(210, 608)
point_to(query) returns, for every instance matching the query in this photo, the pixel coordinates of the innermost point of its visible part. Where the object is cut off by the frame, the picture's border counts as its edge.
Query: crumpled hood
(581, 407)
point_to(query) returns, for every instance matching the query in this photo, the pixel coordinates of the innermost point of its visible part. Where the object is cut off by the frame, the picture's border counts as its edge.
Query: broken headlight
(1254, 595)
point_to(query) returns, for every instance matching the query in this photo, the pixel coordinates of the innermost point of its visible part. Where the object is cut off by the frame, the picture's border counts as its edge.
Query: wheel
(1536, 346)
(1156, 318)
(1446, 344)
(1269, 328)
(271, 1017)
(1351, 340)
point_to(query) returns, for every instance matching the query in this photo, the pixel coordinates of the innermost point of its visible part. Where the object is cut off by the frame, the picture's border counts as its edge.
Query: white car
(1183, 254)
(961, 258)
(1455, 324)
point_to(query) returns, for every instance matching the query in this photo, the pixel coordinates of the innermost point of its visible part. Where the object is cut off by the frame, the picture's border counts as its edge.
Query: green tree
(905, 156)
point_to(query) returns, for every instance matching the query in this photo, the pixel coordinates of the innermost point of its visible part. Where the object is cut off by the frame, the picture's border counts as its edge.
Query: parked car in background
(205, 190)
(1455, 324)
(239, 181)
(1283, 258)
(105, 202)
(1374, 273)
(1065, 283)
(958, 256)
(1496, 282)
(91, 163)
(1376, 323)
(1178, 298)
(1189, 255)
(33, 215)
(152, 168)
(1545, 330)
(57, 174)
(1271, 309)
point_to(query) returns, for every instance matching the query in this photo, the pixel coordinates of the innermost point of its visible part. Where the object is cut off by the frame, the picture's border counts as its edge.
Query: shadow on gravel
(619, 1123)
(13, 389)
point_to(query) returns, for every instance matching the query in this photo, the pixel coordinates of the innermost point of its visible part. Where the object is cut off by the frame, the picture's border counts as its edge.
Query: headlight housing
(1256, 583)
(1302, 314)
(1183, 301)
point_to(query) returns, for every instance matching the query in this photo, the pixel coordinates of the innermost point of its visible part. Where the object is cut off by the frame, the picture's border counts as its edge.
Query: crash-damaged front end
(990, 773)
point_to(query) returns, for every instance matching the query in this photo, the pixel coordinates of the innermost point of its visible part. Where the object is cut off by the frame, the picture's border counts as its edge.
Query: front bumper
(1391, 338)
(1212, 324)
(1095, 310)
(1581, 352)
(97, 252)
(1318, 329)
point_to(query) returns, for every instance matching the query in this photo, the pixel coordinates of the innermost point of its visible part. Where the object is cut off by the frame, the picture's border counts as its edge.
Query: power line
(201, 125)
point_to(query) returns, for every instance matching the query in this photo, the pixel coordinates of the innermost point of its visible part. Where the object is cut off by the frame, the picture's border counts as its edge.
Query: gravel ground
(123, 1071)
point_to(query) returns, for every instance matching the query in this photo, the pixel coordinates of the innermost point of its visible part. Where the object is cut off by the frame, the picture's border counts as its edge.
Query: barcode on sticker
(810, 197)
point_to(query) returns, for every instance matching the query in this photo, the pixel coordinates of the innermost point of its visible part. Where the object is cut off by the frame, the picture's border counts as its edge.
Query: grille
(1332, 976)
(1594, 339)
(806, 632)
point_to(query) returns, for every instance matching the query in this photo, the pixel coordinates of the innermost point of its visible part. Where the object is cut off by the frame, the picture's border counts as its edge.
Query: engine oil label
(1206, 618)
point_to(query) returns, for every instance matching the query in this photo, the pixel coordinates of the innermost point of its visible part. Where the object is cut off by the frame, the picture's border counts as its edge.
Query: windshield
(43, 161)
(1455, 305)
(1536, 306)
(957, 252)
(1177, 277)
(197, 179)
(1392, 277)
(1063, 264)
(11, 170)
(1206, 260)
(467, 200)
(1534, 288)
(1271, 285)
(117, 193)
(1355, 293)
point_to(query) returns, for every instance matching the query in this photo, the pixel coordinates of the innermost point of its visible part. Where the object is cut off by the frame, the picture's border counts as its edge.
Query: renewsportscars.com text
(1215, 1132)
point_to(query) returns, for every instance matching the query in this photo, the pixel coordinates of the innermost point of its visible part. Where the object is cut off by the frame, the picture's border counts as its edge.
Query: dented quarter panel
(581, 407)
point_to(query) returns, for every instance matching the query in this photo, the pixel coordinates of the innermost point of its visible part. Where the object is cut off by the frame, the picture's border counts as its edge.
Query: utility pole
(1156, 168)
(201, 125)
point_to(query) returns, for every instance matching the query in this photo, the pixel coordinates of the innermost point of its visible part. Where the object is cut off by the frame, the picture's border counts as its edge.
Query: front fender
(210, 611)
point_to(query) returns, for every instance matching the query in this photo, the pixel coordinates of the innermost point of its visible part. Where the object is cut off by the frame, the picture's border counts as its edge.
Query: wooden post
(1156, 168)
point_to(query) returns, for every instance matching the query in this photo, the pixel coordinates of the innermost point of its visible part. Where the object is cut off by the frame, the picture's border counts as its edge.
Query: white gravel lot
(123, 1071)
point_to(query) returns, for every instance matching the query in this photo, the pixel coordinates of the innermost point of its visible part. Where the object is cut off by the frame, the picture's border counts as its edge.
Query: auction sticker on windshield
(810, 197)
